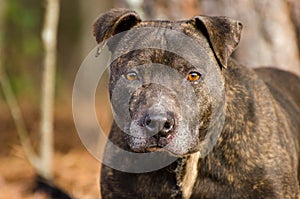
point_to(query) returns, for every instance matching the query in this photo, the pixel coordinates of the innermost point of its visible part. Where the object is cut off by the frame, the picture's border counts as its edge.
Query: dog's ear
(223, 34)
(114, 22)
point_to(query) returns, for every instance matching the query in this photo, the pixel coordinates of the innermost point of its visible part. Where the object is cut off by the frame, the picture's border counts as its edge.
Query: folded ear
(223, 34)
(114, 22)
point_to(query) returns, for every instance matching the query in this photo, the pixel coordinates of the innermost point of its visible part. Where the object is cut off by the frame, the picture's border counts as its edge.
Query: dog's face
(162, 98)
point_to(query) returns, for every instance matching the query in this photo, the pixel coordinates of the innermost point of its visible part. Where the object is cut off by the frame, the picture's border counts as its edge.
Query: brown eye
(131, 76)
(194, 76)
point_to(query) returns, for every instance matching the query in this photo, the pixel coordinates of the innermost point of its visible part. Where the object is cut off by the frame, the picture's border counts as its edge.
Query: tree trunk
(49, 37)
(295, 6)
(162, 9)
(270, 33)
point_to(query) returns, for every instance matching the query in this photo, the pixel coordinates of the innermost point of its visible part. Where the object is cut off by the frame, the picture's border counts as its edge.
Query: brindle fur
(257, 153)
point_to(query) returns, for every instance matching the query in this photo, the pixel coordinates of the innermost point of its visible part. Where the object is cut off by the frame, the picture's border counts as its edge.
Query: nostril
(168, 126)
(148, 122)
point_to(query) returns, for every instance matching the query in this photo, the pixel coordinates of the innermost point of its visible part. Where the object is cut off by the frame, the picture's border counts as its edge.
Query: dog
(250, 151)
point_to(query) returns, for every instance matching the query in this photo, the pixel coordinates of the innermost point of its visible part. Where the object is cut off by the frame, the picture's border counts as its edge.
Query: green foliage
(24, 87)
(22, 44)
(24, 18)
(24, 13)
(23, 48)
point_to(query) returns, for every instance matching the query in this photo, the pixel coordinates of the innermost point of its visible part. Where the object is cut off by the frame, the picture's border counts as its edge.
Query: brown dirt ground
(75, 170)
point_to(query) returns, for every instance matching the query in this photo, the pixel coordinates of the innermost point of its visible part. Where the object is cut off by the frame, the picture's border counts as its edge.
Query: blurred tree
(162, 9)
(89, 11)
(2, 19)
(42, 162)
(49, 36)
(69, 50)
(270, 30)
(11, 98)
(75, 38)
(295, 6)
(23, 46)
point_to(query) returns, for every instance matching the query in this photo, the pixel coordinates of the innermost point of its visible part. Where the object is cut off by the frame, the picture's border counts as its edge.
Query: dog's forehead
(185, 26)
(164, 31)
(160, 23)
(164, 42)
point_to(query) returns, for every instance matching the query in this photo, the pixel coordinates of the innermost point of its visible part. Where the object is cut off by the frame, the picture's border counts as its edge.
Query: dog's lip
(158, 143)
(153, 148)
(170, 136)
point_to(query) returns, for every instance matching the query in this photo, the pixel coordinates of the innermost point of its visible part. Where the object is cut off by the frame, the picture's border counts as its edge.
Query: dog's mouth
(143, 142)
(157, 142)
(153, 131)
(176, 142)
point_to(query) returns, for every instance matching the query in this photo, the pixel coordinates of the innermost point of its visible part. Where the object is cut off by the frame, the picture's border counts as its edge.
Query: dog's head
(166, 77)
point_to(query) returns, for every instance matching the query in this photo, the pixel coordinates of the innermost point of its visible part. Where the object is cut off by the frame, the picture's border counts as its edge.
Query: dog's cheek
(135, 137)
(136, 144)
(204, 105)
(184, 140)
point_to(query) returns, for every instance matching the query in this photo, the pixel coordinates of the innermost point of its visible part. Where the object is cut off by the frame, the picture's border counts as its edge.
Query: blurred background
(271, 37)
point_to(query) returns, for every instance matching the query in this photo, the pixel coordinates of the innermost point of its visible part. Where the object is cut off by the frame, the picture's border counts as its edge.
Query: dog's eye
(194, 76)
(131, 76)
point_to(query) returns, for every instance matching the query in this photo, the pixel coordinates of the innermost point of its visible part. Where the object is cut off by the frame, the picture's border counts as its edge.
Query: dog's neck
(249, 94)
(186, 174)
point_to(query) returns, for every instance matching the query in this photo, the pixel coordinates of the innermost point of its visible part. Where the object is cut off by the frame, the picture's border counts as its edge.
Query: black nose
(159, 123)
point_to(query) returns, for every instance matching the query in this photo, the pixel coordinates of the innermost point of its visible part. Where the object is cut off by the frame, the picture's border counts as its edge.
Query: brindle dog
(257, 152)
